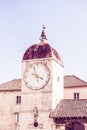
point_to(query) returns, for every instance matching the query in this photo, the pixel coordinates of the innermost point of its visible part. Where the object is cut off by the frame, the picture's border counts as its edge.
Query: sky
(21, 25)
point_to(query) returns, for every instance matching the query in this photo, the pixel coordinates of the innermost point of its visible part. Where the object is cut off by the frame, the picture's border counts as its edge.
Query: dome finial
(43, 35)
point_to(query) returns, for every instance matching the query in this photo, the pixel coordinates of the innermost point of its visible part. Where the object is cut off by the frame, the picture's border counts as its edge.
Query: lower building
(70, 113)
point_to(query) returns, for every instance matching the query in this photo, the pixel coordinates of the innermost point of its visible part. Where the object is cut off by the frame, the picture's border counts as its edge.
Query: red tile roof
(43, 50)
(11, 85)
(72, 80)
(68, 108)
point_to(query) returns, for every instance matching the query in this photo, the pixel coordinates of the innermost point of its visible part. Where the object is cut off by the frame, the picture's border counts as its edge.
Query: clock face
(36, 75)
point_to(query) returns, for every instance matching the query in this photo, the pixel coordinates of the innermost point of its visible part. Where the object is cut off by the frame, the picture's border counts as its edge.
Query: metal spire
(43, 35)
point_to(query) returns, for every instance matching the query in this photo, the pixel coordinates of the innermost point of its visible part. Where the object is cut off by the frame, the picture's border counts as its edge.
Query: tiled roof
(72, 80)
(11, 85)
(69, 81)
(41, 51)
(70, 108)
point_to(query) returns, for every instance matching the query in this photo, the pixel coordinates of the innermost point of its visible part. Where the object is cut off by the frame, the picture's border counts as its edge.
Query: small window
(76, 95)
(58, 79)
(16, 118)
(18, 99)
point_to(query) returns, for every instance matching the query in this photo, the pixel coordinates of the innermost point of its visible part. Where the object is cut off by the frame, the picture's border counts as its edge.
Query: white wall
(7, 109)
(57, 84)
(69, 92)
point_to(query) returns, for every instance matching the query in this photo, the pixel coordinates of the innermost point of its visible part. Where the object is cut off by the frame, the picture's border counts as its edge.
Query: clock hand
(40, 77)
(34, 69)
(37, 76)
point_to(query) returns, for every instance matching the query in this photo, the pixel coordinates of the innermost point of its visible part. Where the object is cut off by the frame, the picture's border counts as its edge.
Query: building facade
(43, 98)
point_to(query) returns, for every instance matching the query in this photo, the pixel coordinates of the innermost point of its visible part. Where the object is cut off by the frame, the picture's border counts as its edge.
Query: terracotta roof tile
(72, 80)
(70, 108)
(11, 85)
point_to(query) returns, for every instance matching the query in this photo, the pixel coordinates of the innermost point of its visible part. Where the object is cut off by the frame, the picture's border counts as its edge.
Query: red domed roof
(41, 51)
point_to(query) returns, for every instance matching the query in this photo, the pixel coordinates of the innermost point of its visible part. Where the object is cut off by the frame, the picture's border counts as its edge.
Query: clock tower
(42, 85)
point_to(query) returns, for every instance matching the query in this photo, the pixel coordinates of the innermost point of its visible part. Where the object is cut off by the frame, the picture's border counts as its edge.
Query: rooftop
(73, 81)
(69, 108)
(42, 50)
(11, 85)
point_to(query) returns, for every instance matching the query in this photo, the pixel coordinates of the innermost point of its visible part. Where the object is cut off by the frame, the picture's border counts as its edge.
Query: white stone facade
(44, 99)
(8, 109)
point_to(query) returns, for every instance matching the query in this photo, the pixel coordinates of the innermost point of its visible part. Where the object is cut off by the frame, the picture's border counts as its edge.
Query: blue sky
(66, 29)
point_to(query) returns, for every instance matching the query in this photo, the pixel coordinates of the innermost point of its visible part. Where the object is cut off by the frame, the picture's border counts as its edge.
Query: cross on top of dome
(43, 35)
